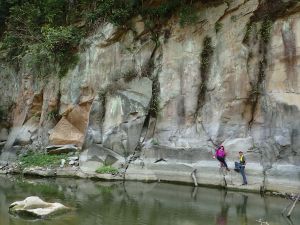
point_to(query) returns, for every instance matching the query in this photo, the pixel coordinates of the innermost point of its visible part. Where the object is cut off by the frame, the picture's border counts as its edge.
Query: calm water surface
(135, 203)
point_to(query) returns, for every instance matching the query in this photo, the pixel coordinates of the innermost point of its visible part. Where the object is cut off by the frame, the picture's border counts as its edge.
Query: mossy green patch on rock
(265, 30)
(107, 170)
(40, 159)
(218, 26)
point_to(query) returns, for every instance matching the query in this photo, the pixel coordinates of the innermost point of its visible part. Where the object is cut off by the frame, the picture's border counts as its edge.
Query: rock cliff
(157, 104)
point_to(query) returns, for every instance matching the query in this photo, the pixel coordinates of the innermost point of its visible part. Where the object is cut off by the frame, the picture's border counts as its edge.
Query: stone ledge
(208, 174)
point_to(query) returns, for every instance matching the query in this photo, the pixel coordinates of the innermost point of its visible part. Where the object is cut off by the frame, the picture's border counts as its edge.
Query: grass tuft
(107, 170)
(40, 159)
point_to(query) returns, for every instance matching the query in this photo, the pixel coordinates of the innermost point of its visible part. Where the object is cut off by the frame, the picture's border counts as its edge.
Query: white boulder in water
(35, 207)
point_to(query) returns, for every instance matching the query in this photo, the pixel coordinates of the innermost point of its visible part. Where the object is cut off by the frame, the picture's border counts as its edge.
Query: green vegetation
(187, 15)
(41, 29)
(53, 115)
(40, 159)
(162, 12)
(154, 104)
(114, 87)
(106, 189)
(40, 188)
(234, 18)
(206, 57)
(117, 12)
(154, 141)
(102, 94)
(129, 75)
(249, 28)
(107, 169)
(148, 68)
(265, 30)
(218, 26)
(49, 31)
(206, 54)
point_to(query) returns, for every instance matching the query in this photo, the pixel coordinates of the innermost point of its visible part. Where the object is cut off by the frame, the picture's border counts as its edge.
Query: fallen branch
(193, 174)
(293, 206)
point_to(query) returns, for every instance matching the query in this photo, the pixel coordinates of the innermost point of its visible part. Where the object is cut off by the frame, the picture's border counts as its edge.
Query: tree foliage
(41, 29)
(49, 31)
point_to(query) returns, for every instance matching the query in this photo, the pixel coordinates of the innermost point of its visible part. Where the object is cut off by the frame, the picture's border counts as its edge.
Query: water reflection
(223, 214)
(135, 203)
(241, 210)
(226, 203)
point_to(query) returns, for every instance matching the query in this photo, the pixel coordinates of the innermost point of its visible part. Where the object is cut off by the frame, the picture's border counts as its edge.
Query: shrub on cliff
(41, 30)
(49, 31)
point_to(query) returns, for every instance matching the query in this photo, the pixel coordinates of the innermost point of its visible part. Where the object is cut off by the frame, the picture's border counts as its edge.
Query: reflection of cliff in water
(222, 216)
(133, 203)
(241, 210)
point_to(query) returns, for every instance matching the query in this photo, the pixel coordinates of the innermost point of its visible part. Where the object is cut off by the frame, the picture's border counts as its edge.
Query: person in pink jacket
(220, 154)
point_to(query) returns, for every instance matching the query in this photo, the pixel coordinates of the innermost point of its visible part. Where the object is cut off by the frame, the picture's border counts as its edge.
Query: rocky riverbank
(206, 173)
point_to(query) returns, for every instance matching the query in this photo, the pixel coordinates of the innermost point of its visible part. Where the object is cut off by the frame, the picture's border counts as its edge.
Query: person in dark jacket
(240, 167)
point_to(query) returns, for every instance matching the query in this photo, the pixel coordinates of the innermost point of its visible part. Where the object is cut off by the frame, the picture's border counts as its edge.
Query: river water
(136, 203)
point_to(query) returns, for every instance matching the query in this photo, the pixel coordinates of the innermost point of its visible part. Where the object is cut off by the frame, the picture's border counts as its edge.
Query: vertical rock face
(232, 78)
(125, 115)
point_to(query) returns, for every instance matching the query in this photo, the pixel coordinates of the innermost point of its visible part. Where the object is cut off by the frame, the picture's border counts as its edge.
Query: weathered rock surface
(3, 134)
(35, 207)
(125, 115)
(40, 171)
(59, 149)
(72, 127)
(237, 85)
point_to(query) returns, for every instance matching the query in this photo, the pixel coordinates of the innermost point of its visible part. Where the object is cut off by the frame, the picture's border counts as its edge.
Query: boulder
(33, 206)
(39, 171)
(66, 133)
(72, 127)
